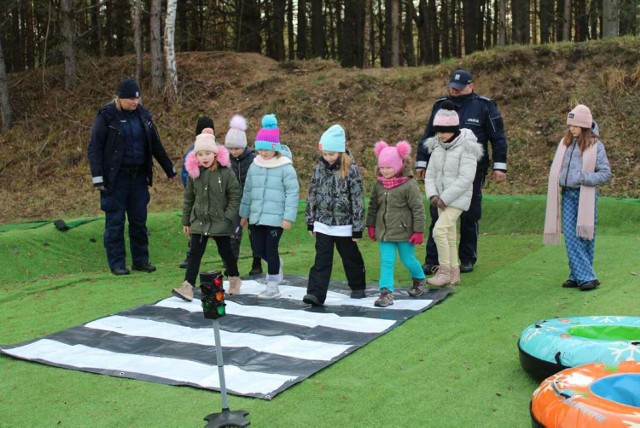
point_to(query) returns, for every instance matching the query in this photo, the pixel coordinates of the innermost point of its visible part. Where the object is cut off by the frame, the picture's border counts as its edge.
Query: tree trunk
(29, 34)
(594, 13)
(368, 42)
(68, 32)
(290, 31)
(395, 33)
(581, 20)
(5, 106)
(275, 27)
(470, 24)
(171, 85)
(434, 43)
(302, 29)
(627, 17)
(136, 10)
(566, 23)
(422, 26)
(156, 46)
(317, 29)
(609, 18)
(445, 25)
(352, 38)
(502, 23)
(546, 20)
(248, 37)
(97, 46)
(521, 22)
(407, 39)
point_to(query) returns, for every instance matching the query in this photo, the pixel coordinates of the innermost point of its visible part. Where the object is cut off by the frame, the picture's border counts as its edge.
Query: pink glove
(416, 238)
(371, 231)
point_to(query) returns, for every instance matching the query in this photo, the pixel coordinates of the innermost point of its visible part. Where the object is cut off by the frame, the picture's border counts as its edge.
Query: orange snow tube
(589, 396)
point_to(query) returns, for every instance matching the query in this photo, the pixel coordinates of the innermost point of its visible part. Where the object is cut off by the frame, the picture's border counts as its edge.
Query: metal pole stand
(226, 418)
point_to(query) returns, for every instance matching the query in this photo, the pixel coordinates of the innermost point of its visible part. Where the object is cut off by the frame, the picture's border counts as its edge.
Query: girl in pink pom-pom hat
(396, 218)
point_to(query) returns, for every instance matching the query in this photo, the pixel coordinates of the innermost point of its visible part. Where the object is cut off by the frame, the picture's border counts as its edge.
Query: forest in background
(44, 171)
(357, 33)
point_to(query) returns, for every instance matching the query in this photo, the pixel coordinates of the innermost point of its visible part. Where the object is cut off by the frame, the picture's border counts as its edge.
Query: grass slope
(454, 365)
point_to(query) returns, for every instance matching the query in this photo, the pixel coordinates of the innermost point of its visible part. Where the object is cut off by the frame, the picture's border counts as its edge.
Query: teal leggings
(388, 261)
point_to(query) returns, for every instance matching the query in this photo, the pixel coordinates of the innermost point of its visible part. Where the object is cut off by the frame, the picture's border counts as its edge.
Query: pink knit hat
(446, 119)
(580, 116)
(392, 157)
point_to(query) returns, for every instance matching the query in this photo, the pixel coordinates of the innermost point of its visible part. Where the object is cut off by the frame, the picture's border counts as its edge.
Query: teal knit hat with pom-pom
(268, 138)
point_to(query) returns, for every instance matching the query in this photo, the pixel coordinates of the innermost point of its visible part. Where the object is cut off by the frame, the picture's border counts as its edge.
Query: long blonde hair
(345, 165)
(586, 139)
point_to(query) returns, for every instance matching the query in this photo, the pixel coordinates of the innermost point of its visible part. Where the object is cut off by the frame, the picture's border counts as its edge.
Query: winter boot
(455, 275)
(442, 277)
(185, 292)
(185, 263)
(271, 291)
(385, 299)
(256, 266)
(281, 271)
(418, 287)
(234, 284)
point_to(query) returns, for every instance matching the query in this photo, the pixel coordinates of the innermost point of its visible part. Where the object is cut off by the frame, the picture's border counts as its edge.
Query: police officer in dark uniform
(481, 115)
(123, 140)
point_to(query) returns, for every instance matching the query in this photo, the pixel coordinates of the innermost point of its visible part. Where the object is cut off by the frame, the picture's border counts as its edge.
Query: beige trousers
(444, 235)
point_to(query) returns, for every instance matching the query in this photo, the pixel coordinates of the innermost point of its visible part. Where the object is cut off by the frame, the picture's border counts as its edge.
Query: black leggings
(264, 244)
(198, 244)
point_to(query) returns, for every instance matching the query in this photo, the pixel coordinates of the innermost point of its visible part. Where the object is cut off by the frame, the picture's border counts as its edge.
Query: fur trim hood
(193, 166)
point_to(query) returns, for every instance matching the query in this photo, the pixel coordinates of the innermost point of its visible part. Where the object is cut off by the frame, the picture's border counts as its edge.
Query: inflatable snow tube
(548, 346)
(589, 396)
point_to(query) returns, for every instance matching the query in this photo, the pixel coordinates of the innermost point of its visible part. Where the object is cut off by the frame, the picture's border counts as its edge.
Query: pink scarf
(585, 227)
(390, 183)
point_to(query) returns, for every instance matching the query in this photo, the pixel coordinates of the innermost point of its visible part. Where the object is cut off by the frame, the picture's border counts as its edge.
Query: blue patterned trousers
(579, 251)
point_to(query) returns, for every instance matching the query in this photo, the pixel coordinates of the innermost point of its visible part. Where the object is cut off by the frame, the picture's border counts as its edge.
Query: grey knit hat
(236, 137)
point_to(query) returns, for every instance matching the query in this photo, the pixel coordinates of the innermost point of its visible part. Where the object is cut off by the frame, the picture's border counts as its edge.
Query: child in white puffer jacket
(449, 185)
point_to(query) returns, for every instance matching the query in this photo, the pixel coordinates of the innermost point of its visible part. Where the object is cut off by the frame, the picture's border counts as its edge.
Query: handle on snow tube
(558, 391)
(557, 357)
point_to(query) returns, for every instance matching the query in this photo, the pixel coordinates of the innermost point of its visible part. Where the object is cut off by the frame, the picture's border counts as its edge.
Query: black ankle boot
(256, 266)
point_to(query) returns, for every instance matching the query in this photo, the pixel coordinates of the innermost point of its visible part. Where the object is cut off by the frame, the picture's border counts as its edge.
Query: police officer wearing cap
(481, 115)
(123, 141)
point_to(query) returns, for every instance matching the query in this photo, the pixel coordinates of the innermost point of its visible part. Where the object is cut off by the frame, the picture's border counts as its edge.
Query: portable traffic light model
(212, 299)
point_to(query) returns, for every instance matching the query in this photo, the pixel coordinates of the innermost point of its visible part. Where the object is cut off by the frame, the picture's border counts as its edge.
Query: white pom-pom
(238, 122)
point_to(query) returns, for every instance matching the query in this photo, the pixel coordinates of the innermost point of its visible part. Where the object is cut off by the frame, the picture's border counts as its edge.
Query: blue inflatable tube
(548, 346)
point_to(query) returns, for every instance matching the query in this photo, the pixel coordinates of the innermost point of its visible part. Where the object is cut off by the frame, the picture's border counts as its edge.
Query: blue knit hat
(128, 89)
(333, 140)
(268, 138)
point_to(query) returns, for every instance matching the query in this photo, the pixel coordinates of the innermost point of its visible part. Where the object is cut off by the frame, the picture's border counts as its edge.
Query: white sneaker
(271, 291)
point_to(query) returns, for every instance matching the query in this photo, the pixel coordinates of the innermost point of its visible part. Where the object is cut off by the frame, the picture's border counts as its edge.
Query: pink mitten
(416, 238)
(371, 231)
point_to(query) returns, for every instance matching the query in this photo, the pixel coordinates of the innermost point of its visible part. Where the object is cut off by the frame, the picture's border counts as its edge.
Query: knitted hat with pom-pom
(392, 157)
(236, 137)
(446, 119)
(268, 138)
(205, 142)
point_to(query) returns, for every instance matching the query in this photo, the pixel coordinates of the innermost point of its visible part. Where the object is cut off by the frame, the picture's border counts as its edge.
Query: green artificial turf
(453, 365)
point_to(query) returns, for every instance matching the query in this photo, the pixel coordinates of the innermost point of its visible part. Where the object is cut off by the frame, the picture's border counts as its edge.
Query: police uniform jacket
(106, 147)
(480, 115)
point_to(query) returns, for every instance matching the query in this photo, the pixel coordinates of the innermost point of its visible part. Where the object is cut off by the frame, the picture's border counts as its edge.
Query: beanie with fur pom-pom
(268, 138)
(236, 137)
(392, 157)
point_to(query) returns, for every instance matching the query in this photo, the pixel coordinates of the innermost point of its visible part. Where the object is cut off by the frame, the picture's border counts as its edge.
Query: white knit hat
(206, 142)
(236, 137)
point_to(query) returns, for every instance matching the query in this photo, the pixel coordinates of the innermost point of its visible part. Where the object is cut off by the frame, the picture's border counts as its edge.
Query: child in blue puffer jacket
(270, 200)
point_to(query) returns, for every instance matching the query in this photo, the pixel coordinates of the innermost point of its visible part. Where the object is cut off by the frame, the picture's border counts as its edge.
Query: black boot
(185, 263)
(256, 266)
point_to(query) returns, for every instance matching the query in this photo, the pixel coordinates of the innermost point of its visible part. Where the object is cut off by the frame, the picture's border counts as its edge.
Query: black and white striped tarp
(268, 345)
